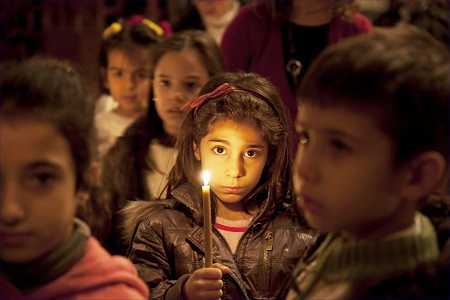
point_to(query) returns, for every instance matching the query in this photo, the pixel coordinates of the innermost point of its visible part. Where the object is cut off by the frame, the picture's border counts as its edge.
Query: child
(373, 147)
(45, 253)
(125, 63)
(138, 164)
(237, 130)
(279, 39)
(211, 16)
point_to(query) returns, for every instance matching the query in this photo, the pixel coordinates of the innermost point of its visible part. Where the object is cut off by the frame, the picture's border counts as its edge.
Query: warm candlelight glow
(207, 226)
(206, 177)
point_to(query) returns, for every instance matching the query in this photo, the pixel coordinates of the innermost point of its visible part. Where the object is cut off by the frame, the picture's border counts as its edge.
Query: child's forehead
(355, 122)
(230, 124)
(309, 110)
(138, 56)
(40, 138)
(230, 129)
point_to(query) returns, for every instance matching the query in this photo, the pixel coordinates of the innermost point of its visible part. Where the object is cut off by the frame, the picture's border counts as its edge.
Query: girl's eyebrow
(191, 76)
(257, 146)
(43, 164)
(117, 68)
(219, 141)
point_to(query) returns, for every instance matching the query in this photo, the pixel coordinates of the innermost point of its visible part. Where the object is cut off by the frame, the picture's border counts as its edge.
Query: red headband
(221, 90)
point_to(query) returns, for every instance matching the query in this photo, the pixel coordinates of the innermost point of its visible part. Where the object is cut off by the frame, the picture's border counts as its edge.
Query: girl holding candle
(237, 130)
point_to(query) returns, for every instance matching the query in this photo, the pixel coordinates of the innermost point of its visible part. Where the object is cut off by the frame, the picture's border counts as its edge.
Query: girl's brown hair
(197, 40)
(256, 100)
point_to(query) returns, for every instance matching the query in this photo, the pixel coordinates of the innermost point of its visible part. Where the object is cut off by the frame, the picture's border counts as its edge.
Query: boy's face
(37, 189)
(235, 153)
(343, 173)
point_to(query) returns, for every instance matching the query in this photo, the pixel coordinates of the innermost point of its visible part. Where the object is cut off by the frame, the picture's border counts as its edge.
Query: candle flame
(206, 177)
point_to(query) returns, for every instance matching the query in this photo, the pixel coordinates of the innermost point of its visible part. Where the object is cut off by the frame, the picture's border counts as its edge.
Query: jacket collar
(190, 197)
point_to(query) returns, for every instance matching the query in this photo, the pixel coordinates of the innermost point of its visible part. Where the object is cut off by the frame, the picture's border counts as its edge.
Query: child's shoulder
(424, 282)
(98, 275)
(150, 215)
(112, 116)
(288, 215)
(287, 220)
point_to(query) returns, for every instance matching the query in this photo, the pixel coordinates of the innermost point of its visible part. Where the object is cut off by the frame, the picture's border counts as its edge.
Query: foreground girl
(237, 130)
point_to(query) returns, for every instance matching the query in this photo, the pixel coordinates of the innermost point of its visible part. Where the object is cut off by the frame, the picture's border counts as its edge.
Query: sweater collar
(340, 259)
(28, 276)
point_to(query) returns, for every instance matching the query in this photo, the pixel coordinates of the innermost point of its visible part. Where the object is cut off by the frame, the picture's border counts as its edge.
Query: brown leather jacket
(168, 245)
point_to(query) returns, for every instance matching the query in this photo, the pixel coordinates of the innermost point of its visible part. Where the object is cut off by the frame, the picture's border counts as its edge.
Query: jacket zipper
(268, 236)
(233, 276)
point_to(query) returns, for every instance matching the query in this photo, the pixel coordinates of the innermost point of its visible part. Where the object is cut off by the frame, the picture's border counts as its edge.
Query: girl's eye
(339, 145)
(164, 82)
(191, 85)
(117, 74)
(303, 138)
(251, 153)
(41, 179)
(219, 150)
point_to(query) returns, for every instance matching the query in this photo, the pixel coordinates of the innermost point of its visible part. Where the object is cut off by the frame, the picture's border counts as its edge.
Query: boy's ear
(424, 175)
(196, 151)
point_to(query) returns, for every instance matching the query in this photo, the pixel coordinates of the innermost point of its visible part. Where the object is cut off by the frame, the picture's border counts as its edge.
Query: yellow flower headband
(153, 26)
(112, 29)
(116, 27)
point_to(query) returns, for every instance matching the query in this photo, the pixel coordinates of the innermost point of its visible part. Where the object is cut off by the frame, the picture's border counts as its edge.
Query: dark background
(70, 29)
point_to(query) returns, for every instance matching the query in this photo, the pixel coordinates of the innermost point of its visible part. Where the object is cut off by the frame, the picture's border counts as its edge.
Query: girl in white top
(125, 69)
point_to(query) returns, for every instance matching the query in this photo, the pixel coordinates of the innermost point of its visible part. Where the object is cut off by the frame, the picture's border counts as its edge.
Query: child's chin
(16, 256)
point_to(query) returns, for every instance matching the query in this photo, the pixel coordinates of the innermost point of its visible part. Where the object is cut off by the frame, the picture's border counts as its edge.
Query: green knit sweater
(340, 260)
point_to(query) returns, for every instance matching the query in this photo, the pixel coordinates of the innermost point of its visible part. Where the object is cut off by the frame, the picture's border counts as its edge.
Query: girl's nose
(178, 96)
(11, 209)
(131, 81)
(235, 167)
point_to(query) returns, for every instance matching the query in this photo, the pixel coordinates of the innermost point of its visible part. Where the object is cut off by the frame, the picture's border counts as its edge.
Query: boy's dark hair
(399, 76)
(266, 111)
(51, 91)
(433, 17)
(132, 34)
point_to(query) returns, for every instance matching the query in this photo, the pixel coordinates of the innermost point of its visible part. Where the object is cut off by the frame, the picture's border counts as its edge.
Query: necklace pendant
(294, 67)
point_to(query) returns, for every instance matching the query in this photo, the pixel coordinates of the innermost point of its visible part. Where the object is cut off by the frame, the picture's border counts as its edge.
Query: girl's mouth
(232, 190)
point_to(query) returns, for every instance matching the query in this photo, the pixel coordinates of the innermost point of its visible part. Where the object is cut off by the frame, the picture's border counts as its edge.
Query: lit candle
(207, 226)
